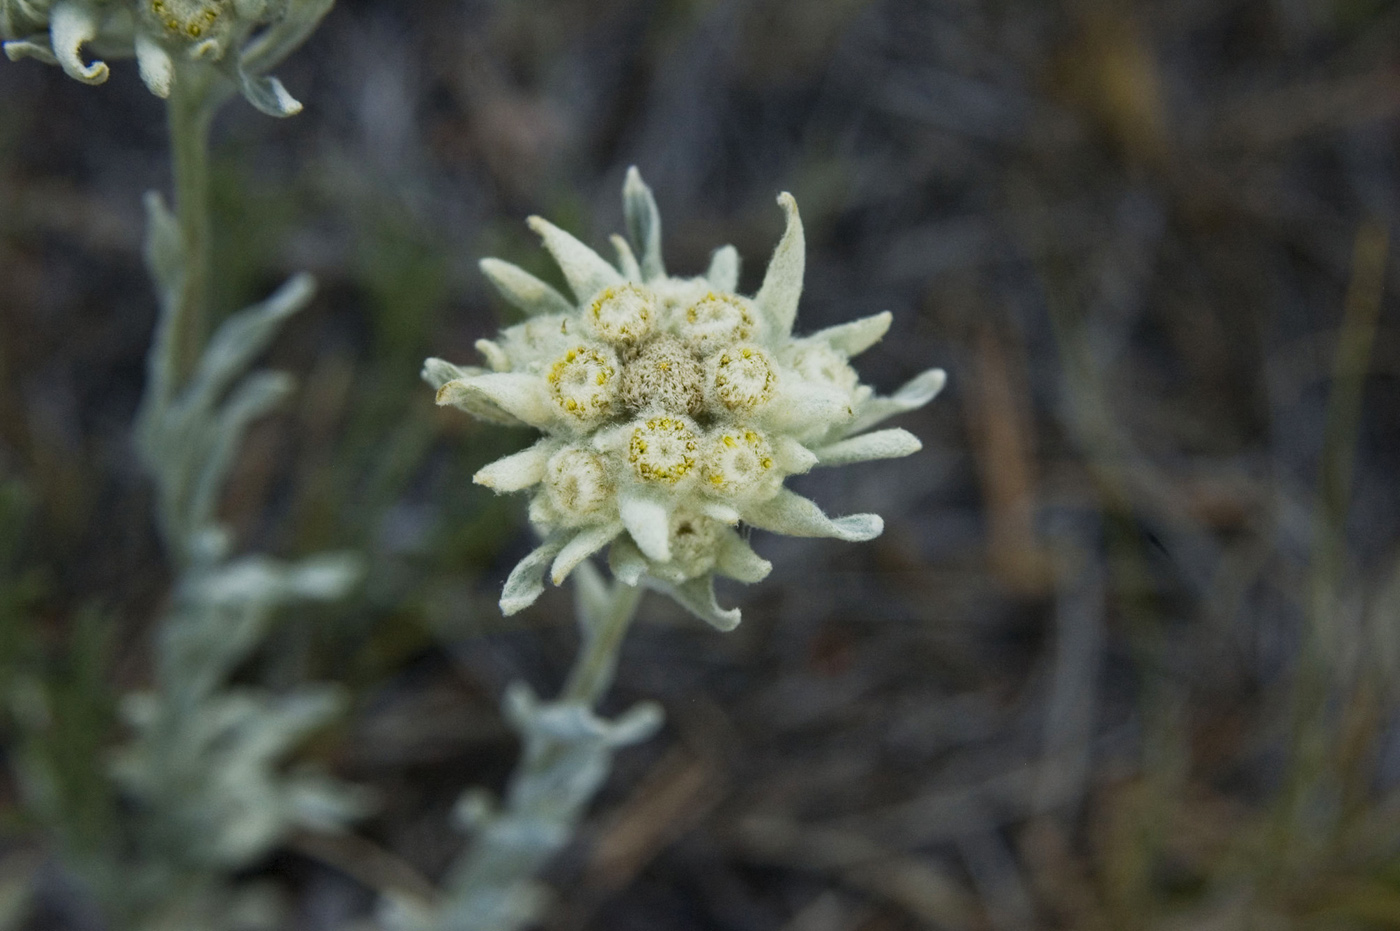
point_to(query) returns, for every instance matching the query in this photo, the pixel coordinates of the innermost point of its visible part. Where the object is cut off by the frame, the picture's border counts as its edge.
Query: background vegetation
(1125, 657)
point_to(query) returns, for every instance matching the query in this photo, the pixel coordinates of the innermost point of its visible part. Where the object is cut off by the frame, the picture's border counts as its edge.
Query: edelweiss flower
(163, 35)
(672, 409)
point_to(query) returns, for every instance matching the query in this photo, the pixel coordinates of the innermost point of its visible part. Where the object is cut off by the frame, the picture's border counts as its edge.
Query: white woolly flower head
(672, 410)
(241, 39)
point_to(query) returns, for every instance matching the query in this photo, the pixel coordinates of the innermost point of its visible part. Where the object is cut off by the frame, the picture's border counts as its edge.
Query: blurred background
(1126, 656)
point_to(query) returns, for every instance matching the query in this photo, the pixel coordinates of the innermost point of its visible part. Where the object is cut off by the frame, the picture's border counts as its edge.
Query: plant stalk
(494, 886)
(596, 664)
(190, 113)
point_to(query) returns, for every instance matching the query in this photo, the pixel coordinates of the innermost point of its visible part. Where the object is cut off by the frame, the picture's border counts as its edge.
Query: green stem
(190, 113)
(491, 888)
(597, 660)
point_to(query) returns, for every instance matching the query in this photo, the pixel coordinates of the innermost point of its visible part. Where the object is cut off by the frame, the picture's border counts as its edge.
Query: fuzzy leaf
(626, 259)
(457, 394)
(270, 46)
(524, 290)
(324, 577)
(643, 224)
(165, 261)
(526, 581)
(241, 337)
(71, 26)
(737, 560)
(494, 355)
(724, 513)
(648, 521)
(857, 336)
(793, 458)
(36, 48)
(790, 513)
(164, 246)
(438, 372)
(800, 407)
(518, 471)
(586, 271)
(268, 95)
(154, 64)
(626, 561)
(917, 392)
(723, 274)
(521, 396)
(585, 544)
(698, 597)
(776, 300)
(882, 444)
(636, 724)
(255, 396)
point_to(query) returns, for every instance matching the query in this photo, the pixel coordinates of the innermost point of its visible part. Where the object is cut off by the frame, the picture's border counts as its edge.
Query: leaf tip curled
(725, 620)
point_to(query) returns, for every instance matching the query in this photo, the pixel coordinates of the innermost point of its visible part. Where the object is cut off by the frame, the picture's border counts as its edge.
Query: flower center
(694, 540)
(820, 363)
(583, 382)
(662, 449)
(622, 315)
(740, 378)
(738, 462)
(665, 378)
(717, 321)
(188, 19)
(577, 483)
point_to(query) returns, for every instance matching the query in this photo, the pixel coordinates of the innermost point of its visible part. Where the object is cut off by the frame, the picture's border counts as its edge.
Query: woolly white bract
(672, 410)
(163, 35)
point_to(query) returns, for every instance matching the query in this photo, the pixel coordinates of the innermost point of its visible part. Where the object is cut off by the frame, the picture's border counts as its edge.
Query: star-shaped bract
(671, 409)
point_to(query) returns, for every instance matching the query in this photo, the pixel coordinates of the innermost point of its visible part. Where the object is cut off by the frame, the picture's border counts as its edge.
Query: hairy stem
(566, 757)
(597, 660)
(190, 112)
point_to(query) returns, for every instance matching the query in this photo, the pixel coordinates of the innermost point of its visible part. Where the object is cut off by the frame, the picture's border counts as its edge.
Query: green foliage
(201, 780)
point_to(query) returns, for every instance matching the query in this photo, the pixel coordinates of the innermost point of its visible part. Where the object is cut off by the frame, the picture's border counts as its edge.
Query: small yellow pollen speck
(717, 478)
(210, 15)
(729, 441)
(172, 24)
(157, 6)
(767, 463)
(571, 404)
(750, 436)
(194, 30)
(642, 445)
(747, 353)
(602, 378)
